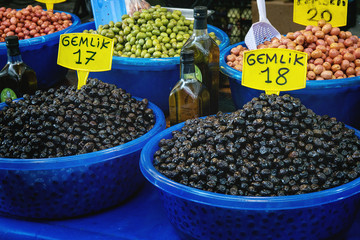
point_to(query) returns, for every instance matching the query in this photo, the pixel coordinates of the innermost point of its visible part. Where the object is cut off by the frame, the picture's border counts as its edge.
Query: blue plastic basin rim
(47, 38)
(310, 84)
(87, 158)
(237, 202)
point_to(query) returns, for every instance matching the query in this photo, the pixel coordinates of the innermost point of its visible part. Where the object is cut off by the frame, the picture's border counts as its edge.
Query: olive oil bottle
(190, 97)
(206, 54)
(16, 78)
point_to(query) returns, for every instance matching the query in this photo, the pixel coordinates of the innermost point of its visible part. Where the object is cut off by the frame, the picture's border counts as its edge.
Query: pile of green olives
(152, 33)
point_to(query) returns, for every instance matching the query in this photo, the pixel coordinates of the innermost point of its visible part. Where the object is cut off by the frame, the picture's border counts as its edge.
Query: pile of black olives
(65, 121)
(274, 146)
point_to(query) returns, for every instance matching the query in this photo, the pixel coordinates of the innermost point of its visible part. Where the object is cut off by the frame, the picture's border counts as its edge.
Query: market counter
(141, 218)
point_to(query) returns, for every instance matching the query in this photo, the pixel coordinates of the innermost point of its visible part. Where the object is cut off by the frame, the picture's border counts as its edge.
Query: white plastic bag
(136, 5)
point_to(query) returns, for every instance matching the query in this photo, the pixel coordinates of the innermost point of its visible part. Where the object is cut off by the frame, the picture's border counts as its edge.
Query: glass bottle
(16, 78)
(206, 54)
(189, 98)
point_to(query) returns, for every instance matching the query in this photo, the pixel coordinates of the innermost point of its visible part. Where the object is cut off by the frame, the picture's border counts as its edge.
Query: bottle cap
(12, 41)
(200, 12)
(187, 56)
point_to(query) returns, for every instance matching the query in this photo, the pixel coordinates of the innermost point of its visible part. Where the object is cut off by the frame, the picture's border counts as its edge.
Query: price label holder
(274, 70)
(85, 53)
(309, 12)
(50, 3)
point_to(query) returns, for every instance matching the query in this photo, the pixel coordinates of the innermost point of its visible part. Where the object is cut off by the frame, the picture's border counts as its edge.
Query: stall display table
(140, 218)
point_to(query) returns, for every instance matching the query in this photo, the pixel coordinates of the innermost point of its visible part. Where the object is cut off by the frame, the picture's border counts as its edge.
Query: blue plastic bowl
(205, 215)
(40, 53)
(147, 77)
(338, 98)
(53, 188)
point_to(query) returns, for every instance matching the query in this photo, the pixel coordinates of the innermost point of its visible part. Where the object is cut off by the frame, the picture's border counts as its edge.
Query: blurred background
(233, 17)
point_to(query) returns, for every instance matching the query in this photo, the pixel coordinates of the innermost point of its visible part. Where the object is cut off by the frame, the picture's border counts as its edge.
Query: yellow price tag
(274, 70)
(50, 3)
(309, 12)
(85, 53)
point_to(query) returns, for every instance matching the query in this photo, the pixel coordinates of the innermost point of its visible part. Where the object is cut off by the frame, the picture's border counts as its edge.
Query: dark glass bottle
(189, 98)
(207, 54)
(16, 78)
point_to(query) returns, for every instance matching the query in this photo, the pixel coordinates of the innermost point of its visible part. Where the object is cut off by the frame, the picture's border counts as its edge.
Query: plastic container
(54, 188)
(338, 98)
(205, 215)
(151, 78)
(40, 53)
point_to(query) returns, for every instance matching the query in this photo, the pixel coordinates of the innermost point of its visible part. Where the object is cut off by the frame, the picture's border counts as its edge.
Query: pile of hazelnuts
(332, 53)
(31, 22)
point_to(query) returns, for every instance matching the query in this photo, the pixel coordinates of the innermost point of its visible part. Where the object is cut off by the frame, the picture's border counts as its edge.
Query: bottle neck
(200, 25)
(187, 71)
(14, 55)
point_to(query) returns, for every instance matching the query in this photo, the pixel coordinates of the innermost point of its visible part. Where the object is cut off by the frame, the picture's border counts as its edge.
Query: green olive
(162, 28)
(155, 42)
(120, 39)
(170, 25)
(151, 50)
(135, 32)
(149, 43)
(147, 55)
(132, 40)
(115, 29)
(166, 39)
(118, 24)
(140, 35)
(175, 16)
(136, 15)
(138, 52)
(130, 20)
(127, 30)
(119, 47)
(165, 21)
(158, 47)
(171, 52)
(127, 48)
(157, 54)
(179, 45)
(179, 37)
(143, 52)
(141, 42)
(156, 32)
(110, 34)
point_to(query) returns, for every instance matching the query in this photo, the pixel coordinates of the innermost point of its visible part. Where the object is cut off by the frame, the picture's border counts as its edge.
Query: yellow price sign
(309, 12)
(85, 53)
(274, 70)
(50, 3)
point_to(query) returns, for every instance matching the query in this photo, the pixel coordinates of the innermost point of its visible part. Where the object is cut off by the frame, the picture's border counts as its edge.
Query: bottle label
(7, 93)
(198, 74)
